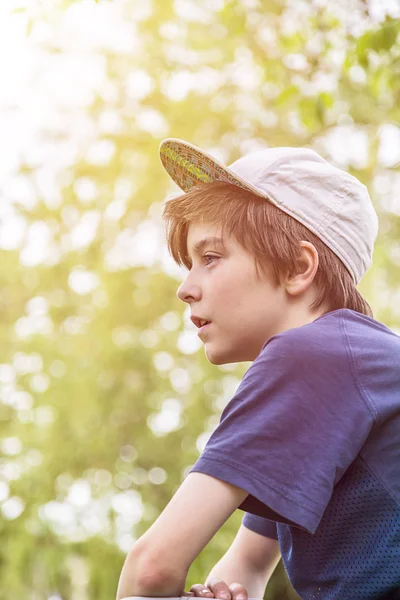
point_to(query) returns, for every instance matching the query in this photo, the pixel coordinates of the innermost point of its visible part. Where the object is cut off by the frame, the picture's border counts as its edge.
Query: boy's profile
(309, 445)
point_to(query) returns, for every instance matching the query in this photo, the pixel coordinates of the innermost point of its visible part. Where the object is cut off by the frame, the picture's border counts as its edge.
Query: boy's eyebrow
(201, 244)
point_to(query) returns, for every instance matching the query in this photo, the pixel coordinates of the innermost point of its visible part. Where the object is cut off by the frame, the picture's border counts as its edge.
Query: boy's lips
(201, 330)
(198, 320)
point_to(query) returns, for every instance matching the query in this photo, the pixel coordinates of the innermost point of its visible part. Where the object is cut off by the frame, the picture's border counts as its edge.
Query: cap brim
(188, 165)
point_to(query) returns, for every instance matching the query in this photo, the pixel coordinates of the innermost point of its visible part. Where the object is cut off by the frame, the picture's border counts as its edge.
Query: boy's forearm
(232, 569)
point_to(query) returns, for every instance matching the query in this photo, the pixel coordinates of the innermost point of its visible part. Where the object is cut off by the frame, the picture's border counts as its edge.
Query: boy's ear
(307, 266)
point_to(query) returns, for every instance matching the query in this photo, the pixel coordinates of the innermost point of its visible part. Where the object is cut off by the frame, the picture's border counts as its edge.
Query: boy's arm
(159, 561)
(250, 562)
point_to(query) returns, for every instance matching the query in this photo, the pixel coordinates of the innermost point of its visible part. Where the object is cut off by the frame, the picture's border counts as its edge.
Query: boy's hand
(216, 588)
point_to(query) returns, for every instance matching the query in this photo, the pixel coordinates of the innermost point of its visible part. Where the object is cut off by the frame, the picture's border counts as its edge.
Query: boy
(309, 446)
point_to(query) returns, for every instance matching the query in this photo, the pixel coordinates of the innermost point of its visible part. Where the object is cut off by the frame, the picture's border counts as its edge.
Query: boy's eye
(209, 258)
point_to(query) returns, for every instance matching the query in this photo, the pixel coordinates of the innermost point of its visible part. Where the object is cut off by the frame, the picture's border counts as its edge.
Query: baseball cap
(330, 202)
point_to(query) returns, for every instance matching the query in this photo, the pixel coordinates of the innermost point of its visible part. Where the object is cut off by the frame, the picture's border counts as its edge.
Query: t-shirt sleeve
(264, 527)
(296, 422)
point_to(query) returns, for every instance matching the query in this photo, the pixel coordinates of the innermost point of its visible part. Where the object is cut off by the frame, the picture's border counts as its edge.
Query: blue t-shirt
(313, 435)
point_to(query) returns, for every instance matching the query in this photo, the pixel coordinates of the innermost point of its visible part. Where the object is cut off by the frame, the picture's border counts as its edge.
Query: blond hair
(265, 232)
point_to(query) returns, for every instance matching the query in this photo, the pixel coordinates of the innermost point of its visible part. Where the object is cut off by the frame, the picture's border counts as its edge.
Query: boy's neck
(300, 314)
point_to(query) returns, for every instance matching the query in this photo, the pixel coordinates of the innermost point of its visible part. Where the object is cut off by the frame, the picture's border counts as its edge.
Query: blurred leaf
(386, 36)
(326, 99)
(309, 113)
(288, 93)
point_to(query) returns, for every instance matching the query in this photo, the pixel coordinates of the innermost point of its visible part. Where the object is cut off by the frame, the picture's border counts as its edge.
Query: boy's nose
(187, 292)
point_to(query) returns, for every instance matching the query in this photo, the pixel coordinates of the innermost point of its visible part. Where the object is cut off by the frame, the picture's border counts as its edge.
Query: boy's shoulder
(321, 338)
(343, 325)
(339, 339)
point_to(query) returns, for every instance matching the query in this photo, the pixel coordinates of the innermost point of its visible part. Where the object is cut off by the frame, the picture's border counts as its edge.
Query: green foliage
(86, 370)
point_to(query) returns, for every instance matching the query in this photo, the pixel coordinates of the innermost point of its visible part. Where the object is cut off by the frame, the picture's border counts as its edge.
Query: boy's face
(244, 312)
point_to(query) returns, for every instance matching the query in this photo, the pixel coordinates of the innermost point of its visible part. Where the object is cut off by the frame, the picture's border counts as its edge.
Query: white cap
(330, 202)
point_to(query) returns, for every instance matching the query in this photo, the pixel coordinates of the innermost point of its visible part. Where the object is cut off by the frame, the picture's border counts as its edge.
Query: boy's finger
(219, 588)
(238, 591)
(201, 590)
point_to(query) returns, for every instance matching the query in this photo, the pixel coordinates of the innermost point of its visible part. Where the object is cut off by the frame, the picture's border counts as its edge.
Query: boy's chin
(222, 358)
